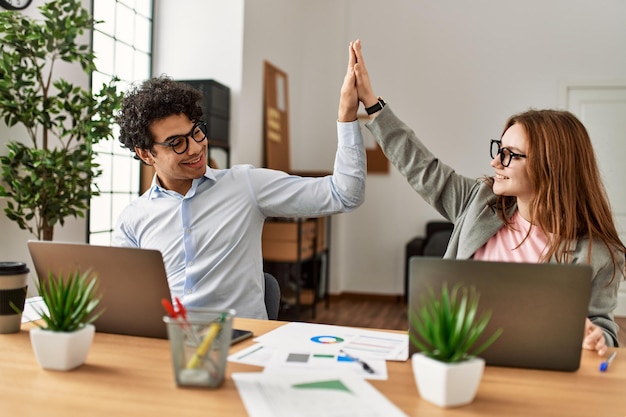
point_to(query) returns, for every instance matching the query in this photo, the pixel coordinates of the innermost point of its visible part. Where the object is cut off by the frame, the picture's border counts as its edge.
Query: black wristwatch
(376, 107)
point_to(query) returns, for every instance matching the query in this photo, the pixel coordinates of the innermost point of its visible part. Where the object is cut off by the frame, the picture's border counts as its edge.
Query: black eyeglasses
(506, 155)
(180, 143)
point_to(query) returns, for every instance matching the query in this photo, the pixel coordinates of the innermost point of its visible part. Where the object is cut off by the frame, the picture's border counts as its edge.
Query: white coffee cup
(13, 287)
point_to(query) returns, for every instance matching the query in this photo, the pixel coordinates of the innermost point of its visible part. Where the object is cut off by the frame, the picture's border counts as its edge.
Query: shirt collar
(156, 189)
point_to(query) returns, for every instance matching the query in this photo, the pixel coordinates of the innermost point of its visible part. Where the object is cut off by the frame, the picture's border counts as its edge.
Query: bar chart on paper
(284, 360)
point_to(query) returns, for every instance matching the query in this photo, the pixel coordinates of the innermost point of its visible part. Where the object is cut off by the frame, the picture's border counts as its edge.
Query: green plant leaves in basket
(71, 301)
(447, 326)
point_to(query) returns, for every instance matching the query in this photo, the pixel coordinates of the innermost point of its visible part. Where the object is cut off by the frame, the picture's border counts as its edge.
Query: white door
(602, 109)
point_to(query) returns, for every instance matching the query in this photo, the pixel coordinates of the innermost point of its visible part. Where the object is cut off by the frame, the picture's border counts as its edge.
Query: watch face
(15, 4)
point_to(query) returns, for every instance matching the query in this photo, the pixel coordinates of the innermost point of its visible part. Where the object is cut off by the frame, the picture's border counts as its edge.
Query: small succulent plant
(71, 301)
(447, 326)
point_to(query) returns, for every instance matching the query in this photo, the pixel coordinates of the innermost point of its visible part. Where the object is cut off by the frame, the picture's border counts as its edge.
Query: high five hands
(349, 100)
(356, 87)
(363, 83)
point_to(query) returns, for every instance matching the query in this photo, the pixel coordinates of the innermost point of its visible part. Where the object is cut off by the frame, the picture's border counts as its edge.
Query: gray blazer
(466, 202)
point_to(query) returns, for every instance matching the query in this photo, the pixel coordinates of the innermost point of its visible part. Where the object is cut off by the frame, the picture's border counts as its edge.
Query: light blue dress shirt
(210, 238)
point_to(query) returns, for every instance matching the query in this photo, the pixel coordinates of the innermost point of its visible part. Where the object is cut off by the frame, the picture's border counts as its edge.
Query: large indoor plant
(62, 340)
(49, 176)
(447, 327)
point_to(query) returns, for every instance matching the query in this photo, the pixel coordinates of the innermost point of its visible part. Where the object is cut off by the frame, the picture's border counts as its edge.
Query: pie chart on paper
(326, 340)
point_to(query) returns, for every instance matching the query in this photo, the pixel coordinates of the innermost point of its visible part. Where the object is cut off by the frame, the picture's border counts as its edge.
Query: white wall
(453, 70)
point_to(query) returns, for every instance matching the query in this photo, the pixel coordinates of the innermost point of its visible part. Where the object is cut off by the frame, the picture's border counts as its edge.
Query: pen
(605, 365)
(181, 309)
(169, 308)
(363, 364)
(180, 316)
(202, 350)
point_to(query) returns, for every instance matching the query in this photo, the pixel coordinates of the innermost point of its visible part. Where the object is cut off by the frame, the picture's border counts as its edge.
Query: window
(122, 44)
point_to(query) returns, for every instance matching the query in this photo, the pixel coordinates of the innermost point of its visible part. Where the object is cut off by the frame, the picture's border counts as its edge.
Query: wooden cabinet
(288, 241)
(296, 252)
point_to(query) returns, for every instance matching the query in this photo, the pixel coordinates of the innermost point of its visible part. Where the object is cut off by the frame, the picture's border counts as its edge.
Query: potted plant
(49, 176)
(447, 328)
(63, 340)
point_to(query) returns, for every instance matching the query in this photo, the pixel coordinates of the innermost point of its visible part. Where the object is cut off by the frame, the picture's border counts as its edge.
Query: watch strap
(376, 107)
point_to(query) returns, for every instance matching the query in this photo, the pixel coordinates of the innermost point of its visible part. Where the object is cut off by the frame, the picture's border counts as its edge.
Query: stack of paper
(315, 347)
(316, 369)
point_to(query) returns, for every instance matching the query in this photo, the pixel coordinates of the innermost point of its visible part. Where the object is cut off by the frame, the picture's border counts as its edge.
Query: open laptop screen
(540, 307)
(131, 281)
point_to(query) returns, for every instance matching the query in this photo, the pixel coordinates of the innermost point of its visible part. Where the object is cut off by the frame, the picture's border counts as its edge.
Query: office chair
(434, 244)
(272, 296)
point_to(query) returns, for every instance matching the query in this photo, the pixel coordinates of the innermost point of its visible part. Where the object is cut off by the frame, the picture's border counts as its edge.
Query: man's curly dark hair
(154, 99)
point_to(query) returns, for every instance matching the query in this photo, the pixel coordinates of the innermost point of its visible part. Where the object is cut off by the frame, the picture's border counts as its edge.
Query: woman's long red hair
(570, 199)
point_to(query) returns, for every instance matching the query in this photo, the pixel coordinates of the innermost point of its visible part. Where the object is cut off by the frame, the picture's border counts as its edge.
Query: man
(207, 222)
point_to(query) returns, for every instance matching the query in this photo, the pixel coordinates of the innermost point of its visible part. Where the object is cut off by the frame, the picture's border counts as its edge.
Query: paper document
(257, 355)
(283, 361)
(323, 338)
(279, 360)
(307, 394)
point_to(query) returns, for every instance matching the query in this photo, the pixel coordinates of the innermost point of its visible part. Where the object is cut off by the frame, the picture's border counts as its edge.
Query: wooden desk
(132, 376)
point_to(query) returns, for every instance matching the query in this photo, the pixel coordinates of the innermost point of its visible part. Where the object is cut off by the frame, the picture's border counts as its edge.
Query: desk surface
(133, 376)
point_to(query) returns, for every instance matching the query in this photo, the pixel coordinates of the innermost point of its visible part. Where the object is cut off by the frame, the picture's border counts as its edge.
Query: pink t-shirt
(502, 247)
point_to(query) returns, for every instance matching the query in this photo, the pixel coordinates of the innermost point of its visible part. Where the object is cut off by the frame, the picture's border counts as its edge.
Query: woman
(545, 203)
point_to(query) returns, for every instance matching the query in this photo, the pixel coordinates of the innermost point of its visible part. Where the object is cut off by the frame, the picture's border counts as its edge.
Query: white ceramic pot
(447, 384)
(61, 351)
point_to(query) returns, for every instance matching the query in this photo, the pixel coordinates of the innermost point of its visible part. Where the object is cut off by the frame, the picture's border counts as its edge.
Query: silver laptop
(132, 282)
(541, 308)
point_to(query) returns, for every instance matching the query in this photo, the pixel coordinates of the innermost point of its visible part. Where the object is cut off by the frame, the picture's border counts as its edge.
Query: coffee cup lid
(13, 268)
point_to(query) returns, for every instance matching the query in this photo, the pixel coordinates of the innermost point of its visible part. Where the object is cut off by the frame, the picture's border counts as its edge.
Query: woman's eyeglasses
(506, 155)
(180, 143)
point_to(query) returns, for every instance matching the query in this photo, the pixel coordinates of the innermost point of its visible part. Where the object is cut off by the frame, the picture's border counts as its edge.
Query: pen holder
(199, 345)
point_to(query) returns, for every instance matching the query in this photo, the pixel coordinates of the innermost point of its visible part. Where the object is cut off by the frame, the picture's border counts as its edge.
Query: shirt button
(190, 263)
(189, 291)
